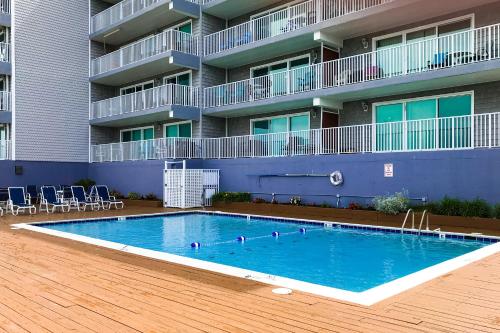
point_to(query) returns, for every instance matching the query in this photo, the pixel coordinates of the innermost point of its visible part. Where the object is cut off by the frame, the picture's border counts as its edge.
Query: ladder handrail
(425, 214)
(406, 219)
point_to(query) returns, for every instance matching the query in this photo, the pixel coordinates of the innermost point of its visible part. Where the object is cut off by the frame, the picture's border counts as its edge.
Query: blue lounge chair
(81, 199)
(18, 201)
(33, 192)
(49, 199)
(105, 199)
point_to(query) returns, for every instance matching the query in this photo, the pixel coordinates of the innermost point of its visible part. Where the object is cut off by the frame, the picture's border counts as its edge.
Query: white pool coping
(367, 298)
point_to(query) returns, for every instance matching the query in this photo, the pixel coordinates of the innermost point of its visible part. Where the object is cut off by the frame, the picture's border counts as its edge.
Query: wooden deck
(55, 285)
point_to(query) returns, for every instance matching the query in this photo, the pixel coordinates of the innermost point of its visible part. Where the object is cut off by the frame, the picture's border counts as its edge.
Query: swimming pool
(348, 259)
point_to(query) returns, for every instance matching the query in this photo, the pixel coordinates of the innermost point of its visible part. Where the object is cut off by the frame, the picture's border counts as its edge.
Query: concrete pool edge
(367, 298)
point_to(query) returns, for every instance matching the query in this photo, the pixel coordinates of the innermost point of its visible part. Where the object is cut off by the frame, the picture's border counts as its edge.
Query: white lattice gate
(189, 188)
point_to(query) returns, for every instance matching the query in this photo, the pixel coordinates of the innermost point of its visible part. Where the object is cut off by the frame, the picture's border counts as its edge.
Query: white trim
(190, 72)
(177, 123)
(135, 129)
(368, 297)
(436, 97)
(435, 25)
(287, 60)
(287, 116)
(175, 26)
(275, 9)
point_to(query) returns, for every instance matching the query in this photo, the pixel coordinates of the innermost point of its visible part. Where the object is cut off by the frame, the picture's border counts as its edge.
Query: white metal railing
(453, 50)
(169, 94)
(452, 133)
(121, 11)
(5, 103)
(169, 40)
(5, 150)
(283, 21)
(4, 52)
(5, 6)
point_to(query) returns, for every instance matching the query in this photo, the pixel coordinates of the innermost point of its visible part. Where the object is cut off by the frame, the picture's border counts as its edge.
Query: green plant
(134, 196)
(116, 194)
(450, 207)
(231, 197)
(296, 201)
(151, 196)
(259, 200)
(392, 204)
(496, 211)
(354, 206)
(476, 208)
(87, 183)
(325, 205)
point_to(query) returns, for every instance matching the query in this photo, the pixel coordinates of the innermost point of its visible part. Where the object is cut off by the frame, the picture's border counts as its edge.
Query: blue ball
(195, 245)
(241, 239)
(303, 230)
(275, 234)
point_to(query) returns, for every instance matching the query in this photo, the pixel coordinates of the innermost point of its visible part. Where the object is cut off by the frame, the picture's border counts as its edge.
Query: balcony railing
(5, 101)
(169, 94)
(5, 6)
(120, 11)
(453, 50)
(4, 52)
(170, 40)
(283, 21)
(452, 133)
(5, 150)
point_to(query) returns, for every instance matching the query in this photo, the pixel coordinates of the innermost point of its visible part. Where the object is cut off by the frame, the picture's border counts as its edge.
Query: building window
(178, 130)
(137, 88)
(183, 79)
(431, 122)
(281, 124)
(137, 134)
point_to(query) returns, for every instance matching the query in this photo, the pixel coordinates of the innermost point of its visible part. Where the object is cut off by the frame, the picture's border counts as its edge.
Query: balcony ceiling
(162, 14)
(229, 9)
(459, 76)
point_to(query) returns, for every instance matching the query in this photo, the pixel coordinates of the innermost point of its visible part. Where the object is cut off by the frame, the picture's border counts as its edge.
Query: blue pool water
(349, 259)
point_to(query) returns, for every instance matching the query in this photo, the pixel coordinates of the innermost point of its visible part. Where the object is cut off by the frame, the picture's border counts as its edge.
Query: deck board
(49, 284)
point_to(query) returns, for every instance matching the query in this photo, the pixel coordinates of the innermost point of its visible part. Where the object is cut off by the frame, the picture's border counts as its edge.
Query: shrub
(86, 183)
(259, 200)
(325, 205)
(392, 204)
(134, 196)
(354, 206)
(450, 207)
(151, 196)
(116, 194)
(476, 208)
(296, 201)
(231, 197)
(496, 211)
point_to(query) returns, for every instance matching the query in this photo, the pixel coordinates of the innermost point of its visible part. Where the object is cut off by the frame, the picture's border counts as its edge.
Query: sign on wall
(388, 170)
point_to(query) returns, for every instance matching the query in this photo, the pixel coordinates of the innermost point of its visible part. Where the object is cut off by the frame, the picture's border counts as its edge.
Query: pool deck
(49, 284)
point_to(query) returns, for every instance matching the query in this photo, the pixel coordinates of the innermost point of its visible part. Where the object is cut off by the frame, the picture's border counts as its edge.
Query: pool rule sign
(388, 170)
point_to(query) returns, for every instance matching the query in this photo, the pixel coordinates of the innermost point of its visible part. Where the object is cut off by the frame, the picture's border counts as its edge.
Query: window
(431, 122)
(183, 79)
(137, 87)
(178, 130)
(281, 124)
(186, 27)
(137, 134)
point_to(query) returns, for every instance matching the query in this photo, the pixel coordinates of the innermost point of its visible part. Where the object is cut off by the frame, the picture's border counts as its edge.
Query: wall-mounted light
(364, 42)
(365, 106)
(314, 114)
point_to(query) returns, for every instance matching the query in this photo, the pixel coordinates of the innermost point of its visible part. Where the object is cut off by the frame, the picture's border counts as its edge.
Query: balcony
(5, 150)
(5, 13)
(151, 105)
(459, 59)
(5, 108)
(229, 9)
(439, 134)
(130, 19)
(5, 65)
(160, 53)
(282, 32)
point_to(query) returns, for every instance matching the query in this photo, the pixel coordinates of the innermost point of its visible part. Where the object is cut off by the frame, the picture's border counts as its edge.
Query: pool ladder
(425, 216)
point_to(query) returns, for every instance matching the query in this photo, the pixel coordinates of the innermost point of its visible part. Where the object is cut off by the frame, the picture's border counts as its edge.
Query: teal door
(389, 130)
(455, 132)
(421, 126)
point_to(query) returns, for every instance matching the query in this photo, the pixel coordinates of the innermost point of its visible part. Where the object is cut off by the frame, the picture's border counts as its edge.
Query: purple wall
(465, 174)
(41, 173)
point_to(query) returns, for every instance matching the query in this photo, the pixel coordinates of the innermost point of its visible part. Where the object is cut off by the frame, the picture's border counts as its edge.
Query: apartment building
(5, 80)
(242, 80)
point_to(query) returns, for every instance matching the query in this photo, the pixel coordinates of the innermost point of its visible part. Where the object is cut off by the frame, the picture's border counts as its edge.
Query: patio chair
(33, 192)
(49, 198)
(67, 197)
(107, 200)
(4, 197)
(82, 200)
(19, 201)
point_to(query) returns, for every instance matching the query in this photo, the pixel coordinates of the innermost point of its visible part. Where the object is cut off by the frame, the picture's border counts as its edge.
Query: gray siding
(51, 80)
(486, 100)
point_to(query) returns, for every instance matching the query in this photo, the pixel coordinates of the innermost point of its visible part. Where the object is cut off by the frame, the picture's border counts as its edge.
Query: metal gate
(189, 188)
